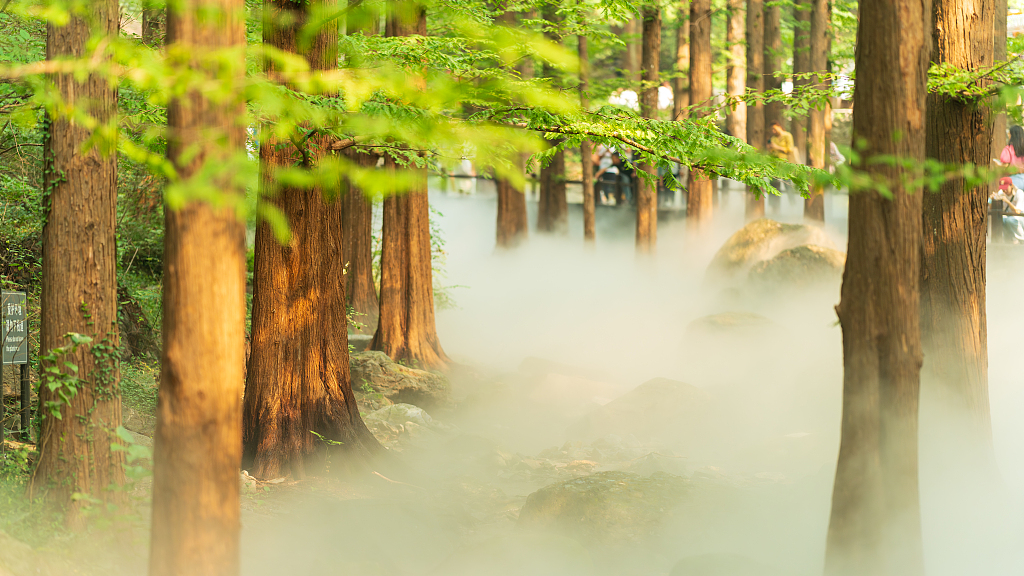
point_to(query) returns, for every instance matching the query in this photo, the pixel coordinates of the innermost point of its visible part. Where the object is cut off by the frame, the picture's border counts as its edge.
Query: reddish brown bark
(817, 140)
(698, 198)
(552, 210)
(585, 147)
(999, 126)
(801, 65)
(647, 192)
(736, 72)
(406, 329)
(357, 251)
(953, 321)
(755, 83)
(297, 382)
(79, 291)
(198, 439)
(680, 86)
(773, 111)
(875, 525)
(512, 224)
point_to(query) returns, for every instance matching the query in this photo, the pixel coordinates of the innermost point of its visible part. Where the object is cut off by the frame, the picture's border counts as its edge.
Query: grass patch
(139, 387)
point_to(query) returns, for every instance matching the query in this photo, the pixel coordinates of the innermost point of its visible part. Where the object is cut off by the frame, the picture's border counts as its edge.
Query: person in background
(606, 174)
(835, 156)
(1014, 205)
(781, 147)
(1013, 156)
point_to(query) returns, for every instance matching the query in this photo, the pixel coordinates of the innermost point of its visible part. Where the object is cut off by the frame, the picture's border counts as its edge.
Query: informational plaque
(15, 328)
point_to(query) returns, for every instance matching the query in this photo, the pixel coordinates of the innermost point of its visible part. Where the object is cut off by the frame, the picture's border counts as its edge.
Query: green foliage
(139, 386)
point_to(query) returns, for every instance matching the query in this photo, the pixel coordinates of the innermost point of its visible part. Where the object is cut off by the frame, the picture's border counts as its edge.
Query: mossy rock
(606, 508)
(800, 266)
(758, 241)
(373, 372)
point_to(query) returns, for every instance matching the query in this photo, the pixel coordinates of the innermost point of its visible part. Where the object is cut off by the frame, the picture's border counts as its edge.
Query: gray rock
(606, 507)
(374, 372)
(758, 241)
(398, 425)
(800, 267)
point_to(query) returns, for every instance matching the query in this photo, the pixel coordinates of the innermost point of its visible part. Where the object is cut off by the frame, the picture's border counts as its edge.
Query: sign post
(14, 326)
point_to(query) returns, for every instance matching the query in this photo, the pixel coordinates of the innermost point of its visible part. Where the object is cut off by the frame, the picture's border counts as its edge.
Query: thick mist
(549, 334)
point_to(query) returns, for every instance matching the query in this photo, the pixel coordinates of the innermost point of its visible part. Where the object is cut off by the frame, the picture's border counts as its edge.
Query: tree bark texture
(512, 227)
(773, 111)
(698, 198)
(875, 522)
(953, 323)
(801, 65)
(552, 210)
(680, 85)
(79, 292)
(999, 125)
(631, 57)
(198, 438)
(817, 141)
(736, 72)
(297, 382)
(357, 249)
(647, 192)
(755, 83)
(586, 152)
(406, 328)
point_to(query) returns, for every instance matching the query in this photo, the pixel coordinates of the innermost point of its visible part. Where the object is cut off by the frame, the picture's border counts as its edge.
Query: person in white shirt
(1014, 198)
(626, 98)
(665, 96)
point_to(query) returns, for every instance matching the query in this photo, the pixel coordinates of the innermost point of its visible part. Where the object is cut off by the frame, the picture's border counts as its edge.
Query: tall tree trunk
(646, 192)
(79, 286)
(817, 142)
(953, 323)
(406, 330)
(755, 84)
(698, 199)
(999, 126)
(680, 86)
(297, 383)
(552, 210)
(631, 57)
(154, 23)
(736, 73)
(198, 439)
(801, 65)
(357, 209)
(357, 250)
(586, 163)
(512, 227)
(875, 525)
(773, 111)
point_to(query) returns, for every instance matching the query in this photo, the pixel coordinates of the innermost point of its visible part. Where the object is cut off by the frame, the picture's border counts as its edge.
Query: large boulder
(398, 425)
(612, 508)
(659, 412)
(801, 266)
(374, 372)
(758, 241)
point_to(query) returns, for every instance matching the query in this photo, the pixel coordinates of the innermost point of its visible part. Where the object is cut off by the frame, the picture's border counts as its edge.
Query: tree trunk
(552, 211)
(512, 227)
(297, 383)
(736, 73)
(801, 65)
(586, 163)
(631, 57)
(698, 199)
(817, 143)
(875, 524)
(198, 438)
(406, 330)
(999, 126)
(755, 84)
(79, 286)
(774, 111)
(646, 192)
(154, 23)
(357, 250)
(680, 87)
(953, 322)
